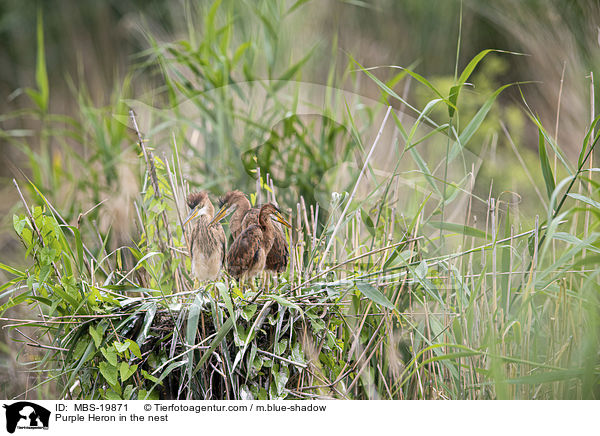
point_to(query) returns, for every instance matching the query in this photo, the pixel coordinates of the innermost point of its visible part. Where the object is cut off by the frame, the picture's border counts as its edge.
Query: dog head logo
(26, 415)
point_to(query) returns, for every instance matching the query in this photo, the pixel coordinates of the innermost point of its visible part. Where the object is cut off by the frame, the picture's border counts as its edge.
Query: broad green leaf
(248, 311)
(110, 355)
(121, 347)
(109, 372)
(112, 395)
(134, 348)
(126, 371)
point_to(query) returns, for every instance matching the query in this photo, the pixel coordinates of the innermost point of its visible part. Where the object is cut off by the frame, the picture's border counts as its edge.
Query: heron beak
(191, 216)
(279, 218)
(219, 216)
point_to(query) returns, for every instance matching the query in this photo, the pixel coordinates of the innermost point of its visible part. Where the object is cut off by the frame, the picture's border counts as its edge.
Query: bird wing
(277, 258)
(250, 219)
(242, 254)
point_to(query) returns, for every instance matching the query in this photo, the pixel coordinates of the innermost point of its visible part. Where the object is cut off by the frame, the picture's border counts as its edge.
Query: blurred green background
(99, 53)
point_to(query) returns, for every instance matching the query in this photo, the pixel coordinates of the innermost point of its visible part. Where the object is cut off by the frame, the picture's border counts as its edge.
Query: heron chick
(243, 217)
(248, 253)
(207, 240)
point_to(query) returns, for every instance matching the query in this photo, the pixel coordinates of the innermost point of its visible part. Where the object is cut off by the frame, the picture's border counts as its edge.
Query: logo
(26, 415)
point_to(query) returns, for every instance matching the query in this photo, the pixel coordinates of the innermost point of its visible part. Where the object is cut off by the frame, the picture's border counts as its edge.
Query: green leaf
(112, 395)
(96, 335)
(455, 90)
(548, 377)
(12, 270)
(585, 199)
(214, 344)
(586, 141)
(19, 224)
(459, 228)
(192, 330)
(121, 347)
(143, 394)
(289, 73)
(280, 347)
(453, 98)
(128, 392)
(285, 302)
(193, 319)
(224, 292)
(110, 355)
(148, 319)
(421, 270)
(545, 163)
(150, 377)
(374, 295)
(134, 348)
(249, 311)
(109, 372)
(41, 76)
(126, 371)
(474, 124)
(281, 378)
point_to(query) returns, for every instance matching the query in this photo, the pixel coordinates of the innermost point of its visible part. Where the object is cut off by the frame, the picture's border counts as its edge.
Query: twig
(302, 365)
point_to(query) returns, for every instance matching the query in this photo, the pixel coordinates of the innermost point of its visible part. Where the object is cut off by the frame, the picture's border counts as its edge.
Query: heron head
(225, 209)
(275, 213)
(234, 198)
(199, 205)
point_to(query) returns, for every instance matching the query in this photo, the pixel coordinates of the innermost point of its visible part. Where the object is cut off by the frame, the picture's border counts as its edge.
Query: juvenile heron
(207, 241)
(243, 217)
(248, 253)
(241, 206)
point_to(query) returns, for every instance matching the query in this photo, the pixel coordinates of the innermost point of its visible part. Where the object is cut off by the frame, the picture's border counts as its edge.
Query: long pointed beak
(219, 216)
(278, 217)
(191, 216)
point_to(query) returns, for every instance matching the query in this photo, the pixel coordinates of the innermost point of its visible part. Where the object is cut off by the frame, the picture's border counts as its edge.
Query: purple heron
(243, 217)
(207, 241)
(248, 253)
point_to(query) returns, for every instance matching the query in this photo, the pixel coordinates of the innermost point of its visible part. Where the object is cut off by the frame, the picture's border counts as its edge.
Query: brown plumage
(248, 253)
(242, 207)
(243, 217)
(207, 240)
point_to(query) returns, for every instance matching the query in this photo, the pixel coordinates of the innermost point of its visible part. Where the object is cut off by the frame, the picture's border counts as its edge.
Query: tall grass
(403, 283)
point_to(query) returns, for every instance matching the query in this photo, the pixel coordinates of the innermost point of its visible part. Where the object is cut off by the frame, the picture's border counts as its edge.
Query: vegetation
(411, 276)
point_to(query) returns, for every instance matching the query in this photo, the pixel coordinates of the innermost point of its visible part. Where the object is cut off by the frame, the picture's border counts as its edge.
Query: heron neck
(264, 219)
(243, 206)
